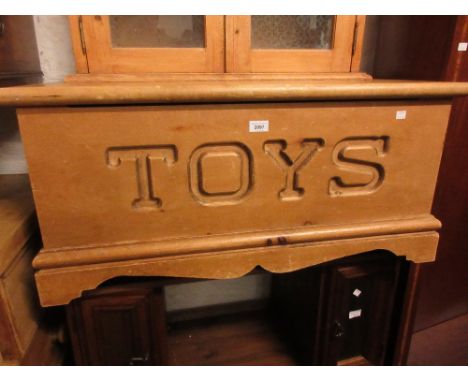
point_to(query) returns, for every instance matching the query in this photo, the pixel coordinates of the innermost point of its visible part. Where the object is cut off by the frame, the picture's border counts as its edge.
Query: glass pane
(292, 32)
(158, 31)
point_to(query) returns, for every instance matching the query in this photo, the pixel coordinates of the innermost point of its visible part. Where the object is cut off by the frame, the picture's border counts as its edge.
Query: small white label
(462, 46)
(357, 292)
(355, 313)
(259, 126)
(400, 114)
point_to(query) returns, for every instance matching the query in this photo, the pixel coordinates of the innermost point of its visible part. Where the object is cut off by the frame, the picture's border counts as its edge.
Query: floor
(243, 339)
(445, 344)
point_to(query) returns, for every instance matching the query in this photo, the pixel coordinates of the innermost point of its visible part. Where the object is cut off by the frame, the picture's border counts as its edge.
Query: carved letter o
(220, 174)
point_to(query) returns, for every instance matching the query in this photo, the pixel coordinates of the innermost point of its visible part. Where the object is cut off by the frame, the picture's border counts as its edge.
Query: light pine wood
(19, 306)
(163, 77)
(78, 44)
(164, 248)
(18, 310)
(241, 172)
(58, 286)
(227, 49)
(240, 57)
(103, 58)
(90, 237)
(17, 223)
(46, 349)
(358, 43)
(85, 184)
(354, 361)
(217, 90)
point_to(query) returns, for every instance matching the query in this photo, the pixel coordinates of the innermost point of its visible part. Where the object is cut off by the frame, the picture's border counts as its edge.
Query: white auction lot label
(259, 126)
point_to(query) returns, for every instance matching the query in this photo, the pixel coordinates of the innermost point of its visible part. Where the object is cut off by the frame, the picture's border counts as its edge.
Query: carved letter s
(376, 172)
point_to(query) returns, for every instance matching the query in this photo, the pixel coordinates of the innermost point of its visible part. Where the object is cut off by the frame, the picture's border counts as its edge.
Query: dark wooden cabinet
(19, 58)
(337, 313)
(357, 321)
(119, 326)
(427, 48)
(341, 313)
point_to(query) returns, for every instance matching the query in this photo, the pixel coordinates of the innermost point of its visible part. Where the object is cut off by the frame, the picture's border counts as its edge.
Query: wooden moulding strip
(164, 92)
(227, 242)
(58, 286)
(158, 77)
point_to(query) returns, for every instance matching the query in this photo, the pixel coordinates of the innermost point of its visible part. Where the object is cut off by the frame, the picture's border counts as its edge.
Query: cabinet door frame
(144, 299)
(241, 58)
(103, 58)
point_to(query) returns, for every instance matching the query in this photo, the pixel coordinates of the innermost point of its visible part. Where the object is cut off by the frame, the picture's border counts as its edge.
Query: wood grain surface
(145, 190)
(200, 91)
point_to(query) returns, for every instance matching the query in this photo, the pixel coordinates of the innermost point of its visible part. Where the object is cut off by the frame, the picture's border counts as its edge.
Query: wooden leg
(405, 327)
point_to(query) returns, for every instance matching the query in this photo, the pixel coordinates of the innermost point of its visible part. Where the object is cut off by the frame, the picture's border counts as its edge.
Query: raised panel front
(105, 175)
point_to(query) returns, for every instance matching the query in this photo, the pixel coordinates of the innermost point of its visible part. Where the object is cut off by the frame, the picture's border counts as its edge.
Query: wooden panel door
(153, 44)
(120, 326)
(289, 44)
(360, 302)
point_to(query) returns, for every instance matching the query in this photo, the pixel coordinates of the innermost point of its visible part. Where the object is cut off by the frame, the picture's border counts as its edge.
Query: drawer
(106, 175)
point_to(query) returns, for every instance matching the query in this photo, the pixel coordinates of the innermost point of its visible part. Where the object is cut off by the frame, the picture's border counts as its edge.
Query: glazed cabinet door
(216, 44)
(289, 44)
(120, 328)
(150, 44)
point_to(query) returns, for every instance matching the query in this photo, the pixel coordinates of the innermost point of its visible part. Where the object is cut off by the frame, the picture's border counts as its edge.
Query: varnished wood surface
(93, 78)
(22, 340)
(79, 46)
(441, 297)
(445, 344)
(354, 361)
(44, 350)
(413, 47)
(17, 221)
(457, 66)
(60, 285)
(103, 57)
(144, 250)
(241, 57)
(425, 48)
(286, 329)
(245, 339)
(17, 308)
(18, 49)
(95, 225)
(125, 327)
(223, 91)
(206, 165)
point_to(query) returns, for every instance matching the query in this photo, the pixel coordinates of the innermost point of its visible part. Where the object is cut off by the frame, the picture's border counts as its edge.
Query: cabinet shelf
(242, 339)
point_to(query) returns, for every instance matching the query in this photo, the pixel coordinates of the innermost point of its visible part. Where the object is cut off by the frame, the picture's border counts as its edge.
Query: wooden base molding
(228, 242)
(61, 285)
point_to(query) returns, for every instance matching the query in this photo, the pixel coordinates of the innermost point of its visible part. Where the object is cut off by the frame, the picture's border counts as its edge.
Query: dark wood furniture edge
(407, 316)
